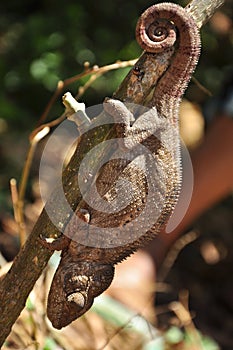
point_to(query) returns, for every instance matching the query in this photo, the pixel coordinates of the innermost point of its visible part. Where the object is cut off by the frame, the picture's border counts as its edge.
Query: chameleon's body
(86, 270)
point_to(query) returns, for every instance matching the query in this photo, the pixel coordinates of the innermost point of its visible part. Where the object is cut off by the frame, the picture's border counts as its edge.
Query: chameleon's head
(74, 288)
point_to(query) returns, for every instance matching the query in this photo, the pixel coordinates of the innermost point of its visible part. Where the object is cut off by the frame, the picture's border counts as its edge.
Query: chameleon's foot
(59, 243)
(118, 111)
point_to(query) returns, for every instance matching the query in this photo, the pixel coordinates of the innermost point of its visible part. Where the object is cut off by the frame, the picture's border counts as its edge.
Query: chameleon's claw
(118, 111)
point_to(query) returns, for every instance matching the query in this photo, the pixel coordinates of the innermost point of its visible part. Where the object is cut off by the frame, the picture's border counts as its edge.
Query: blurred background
(43, 42)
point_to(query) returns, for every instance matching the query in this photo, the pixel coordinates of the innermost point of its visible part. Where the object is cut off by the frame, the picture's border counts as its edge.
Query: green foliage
(45, 41)
(50, 344)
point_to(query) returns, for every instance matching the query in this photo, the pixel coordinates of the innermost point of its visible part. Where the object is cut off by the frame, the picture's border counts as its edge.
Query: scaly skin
(87, 264)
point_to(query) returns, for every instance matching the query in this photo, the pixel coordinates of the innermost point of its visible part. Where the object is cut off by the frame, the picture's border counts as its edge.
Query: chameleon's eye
(78, 298)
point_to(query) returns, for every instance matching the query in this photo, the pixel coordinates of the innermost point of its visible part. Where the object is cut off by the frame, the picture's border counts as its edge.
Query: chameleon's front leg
(146, 124)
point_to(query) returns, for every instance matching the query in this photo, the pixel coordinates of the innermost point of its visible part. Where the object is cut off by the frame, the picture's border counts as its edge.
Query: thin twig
(83, 89)
(181, 310)
(202, 87)
(117, 331)
(51, 102)
(14, 197)
(175, 251)
(87, 71)
(23, 183)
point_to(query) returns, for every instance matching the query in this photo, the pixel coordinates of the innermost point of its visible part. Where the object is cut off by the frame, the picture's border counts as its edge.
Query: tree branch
(33, 257)
(203, 10)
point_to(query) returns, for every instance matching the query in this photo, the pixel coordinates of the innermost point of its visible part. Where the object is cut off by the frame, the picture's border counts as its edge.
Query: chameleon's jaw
(67, 312)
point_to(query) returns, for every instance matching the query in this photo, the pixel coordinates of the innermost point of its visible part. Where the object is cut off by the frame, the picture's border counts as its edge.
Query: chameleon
(139, 186)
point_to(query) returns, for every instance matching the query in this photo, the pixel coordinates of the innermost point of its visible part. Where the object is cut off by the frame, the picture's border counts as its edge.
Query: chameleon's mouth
(67, 311)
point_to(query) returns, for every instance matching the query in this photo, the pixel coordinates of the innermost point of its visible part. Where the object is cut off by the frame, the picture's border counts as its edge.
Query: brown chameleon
(139, 186)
